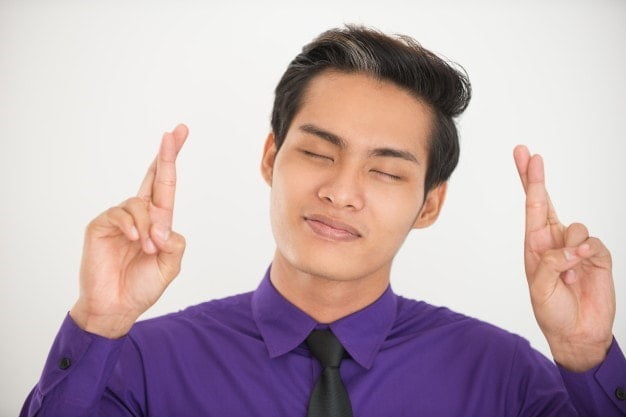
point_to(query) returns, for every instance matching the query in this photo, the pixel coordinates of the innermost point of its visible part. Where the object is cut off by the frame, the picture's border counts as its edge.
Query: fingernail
(568, 255)
(134, 233)
(150, 246)
(583, 247)
(164, 234)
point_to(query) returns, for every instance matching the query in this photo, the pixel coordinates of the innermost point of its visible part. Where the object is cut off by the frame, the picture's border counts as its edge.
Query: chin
(301, 250)
(339, 273)
(331, 265)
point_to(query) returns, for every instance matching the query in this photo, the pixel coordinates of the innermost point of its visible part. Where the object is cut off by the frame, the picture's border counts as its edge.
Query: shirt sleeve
(536, 387)
(80, 377)
(600, 391)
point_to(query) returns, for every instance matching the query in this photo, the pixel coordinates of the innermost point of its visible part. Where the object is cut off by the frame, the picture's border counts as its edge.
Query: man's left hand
(569, 276)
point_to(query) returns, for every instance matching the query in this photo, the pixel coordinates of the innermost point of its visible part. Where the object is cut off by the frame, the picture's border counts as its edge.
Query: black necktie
(329, 397)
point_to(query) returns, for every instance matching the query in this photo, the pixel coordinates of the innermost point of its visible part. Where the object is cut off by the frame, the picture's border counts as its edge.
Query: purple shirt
(245, 356)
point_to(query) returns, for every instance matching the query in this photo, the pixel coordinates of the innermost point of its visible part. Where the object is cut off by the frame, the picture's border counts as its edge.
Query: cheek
(395, 213)
(288, 195)
(292, 182)
(279, 215)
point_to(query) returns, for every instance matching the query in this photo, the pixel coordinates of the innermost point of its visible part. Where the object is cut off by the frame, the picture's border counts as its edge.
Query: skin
(131, 254)
(569, 276)
(329, 279)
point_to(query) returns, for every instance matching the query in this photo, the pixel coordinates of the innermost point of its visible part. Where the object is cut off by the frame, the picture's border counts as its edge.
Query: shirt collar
(284, 326)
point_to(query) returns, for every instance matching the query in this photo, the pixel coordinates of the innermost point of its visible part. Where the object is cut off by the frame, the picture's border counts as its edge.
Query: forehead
(365, 111)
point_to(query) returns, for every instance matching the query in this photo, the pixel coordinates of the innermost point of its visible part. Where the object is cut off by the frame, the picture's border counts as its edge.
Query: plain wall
(87, 88)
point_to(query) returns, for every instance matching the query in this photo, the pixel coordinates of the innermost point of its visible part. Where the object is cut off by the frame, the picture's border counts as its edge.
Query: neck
(325, 299)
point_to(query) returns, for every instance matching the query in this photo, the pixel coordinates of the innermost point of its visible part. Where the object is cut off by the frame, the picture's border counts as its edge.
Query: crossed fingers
(569, 245)
(159, 184)
(158, 188)
(539, 209)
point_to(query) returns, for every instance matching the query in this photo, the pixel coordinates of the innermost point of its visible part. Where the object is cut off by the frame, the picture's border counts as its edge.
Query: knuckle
(107, 217)
(167, 182)
(117, 213)
(180, 243)
(109, 214)
(137, 202)
(596, 244)
(594, 241)
(138, 210)
(91, 226)
(534, 204)
(578, 228)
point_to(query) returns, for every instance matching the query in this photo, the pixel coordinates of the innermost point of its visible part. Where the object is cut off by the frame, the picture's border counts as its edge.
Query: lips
(331, 228)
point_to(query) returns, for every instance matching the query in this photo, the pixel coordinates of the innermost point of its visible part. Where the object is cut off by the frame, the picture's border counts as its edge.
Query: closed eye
(386, 175)
(315, 155)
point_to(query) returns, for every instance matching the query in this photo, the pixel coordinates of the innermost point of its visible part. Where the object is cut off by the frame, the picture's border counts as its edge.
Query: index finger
(539, 210)
(164, 186)
(522, 157)
(146, 189)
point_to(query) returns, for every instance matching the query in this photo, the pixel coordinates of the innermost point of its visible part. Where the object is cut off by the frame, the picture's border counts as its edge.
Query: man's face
(348, 183)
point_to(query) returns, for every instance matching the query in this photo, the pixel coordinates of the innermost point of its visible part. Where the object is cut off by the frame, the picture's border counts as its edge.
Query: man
(362, 144)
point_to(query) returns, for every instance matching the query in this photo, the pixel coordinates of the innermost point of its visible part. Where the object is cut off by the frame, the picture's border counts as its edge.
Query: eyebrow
(339, 142)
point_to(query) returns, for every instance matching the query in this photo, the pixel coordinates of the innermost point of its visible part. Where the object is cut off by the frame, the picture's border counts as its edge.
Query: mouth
(331, 229)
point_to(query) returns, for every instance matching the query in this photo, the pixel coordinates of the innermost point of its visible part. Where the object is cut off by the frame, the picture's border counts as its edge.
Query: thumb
(551, 265)
(170, 254)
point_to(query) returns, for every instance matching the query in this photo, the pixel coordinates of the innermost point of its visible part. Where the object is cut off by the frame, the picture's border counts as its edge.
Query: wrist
(579, 357)
(110, 326)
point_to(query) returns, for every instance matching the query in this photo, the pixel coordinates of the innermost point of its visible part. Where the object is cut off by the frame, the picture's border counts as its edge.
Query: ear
(267, 161)
(431, 207)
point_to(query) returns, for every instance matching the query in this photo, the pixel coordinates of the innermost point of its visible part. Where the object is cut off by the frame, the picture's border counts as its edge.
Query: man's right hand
(130, 253)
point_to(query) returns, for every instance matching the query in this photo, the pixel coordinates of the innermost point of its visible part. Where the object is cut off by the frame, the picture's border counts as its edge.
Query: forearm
(75, 376)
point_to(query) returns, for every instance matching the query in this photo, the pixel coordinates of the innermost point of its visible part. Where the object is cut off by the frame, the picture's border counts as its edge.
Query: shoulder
(457, 342)
(485, 360)
(445, 327)
(233, 312)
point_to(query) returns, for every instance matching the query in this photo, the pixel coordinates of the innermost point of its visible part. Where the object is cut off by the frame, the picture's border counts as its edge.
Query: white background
(87, 88)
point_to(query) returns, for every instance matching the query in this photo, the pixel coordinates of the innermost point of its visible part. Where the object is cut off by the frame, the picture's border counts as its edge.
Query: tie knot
(325, 347)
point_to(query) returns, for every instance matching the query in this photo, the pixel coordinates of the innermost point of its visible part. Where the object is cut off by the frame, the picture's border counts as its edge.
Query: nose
(343, 189)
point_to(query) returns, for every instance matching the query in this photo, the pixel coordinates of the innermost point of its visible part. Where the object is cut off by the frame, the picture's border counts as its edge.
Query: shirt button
(65, 363)
(620, 393)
